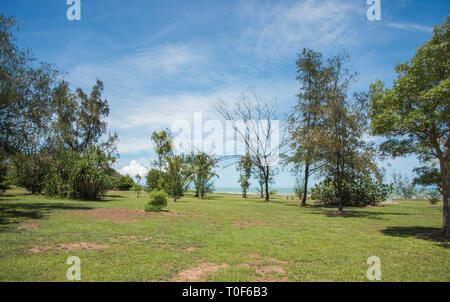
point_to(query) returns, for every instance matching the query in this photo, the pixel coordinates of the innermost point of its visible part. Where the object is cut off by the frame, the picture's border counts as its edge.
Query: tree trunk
(266, 176)
(340, 189)
(305, 188)
(445, 216)
(445, 194)
(244, 193)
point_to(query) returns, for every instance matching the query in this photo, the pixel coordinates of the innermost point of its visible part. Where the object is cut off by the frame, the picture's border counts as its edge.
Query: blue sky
(164, 60)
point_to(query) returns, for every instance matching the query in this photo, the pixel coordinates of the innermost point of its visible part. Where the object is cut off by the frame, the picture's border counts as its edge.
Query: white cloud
(410, 27)
(133, 169)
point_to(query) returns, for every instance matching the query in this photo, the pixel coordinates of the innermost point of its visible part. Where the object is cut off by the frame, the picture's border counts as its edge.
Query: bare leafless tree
(256, 125)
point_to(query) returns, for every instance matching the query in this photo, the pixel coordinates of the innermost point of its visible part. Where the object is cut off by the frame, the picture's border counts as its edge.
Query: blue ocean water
(234, 190)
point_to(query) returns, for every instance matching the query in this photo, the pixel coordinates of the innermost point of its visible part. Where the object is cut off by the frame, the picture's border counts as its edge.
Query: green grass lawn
(222, 238)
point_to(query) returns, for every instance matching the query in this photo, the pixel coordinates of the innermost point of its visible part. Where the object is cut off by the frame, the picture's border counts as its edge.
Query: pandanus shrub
(88, 181)
(79, 175)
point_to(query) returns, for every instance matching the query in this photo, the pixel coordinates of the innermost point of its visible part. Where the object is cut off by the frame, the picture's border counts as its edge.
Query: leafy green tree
(358, 189)
(4, 183)
(25, 91)
(245, 168)
(403, 186)
(26, 88)
(178, 176)
(31, 171)
(163, 147)
(125, 183)
(434, 197)
(152, 178)
(414, 114)
(429, 176)
(299, 188)
(201, 167)
(305, 119)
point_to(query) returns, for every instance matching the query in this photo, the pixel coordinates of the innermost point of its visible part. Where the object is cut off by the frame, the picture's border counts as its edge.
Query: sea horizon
(255, 191)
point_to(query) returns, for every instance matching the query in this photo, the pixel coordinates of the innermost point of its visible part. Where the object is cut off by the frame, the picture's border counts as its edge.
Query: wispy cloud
(409, 26)
(274, 29)
(145, 67)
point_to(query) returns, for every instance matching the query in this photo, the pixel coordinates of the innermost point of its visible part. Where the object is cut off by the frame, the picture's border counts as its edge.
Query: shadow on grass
(14, 213)
(350, 213)
(113, 196)
(425, 233)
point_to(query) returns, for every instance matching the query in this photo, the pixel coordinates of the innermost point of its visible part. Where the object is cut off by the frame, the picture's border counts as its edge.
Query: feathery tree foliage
(244, 166)
(305, 118)
(341, 131)
(80, 118)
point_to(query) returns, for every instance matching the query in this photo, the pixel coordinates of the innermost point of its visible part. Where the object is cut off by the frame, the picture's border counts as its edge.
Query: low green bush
(79, 175)
(434, 197)
(158, 200)
(125, 183)
(358, 190)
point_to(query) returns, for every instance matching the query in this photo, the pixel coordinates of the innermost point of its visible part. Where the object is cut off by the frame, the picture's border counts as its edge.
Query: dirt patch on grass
(267, 273)
(190, 249)
(68, 247)
(269, 269)
(245, 223)
(123, 215)
(134, 238)
(198, 273)
(271, 273)
(271, 259)
(28, 227)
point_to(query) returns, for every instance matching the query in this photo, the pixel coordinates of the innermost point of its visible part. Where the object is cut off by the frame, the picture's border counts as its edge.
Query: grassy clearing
(223, 238)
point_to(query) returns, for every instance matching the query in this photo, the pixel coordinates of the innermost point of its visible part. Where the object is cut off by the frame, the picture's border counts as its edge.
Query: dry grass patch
(267, 273)
(198, 273)
(28, 227)
(68, 247)
(123, 215)
(245, 223)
